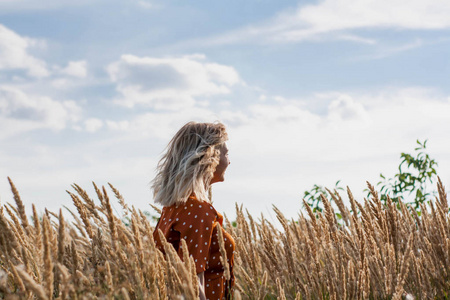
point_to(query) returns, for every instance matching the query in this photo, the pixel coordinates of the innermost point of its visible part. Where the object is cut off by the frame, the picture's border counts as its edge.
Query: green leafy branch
(415, 173)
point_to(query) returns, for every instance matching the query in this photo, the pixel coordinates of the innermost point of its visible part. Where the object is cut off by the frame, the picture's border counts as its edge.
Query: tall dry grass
(375, 252)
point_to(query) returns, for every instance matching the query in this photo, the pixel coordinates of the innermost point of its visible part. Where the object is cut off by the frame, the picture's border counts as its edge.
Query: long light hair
(188, 164)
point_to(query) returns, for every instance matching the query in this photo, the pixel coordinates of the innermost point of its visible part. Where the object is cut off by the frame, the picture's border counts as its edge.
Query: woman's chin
(215, 180)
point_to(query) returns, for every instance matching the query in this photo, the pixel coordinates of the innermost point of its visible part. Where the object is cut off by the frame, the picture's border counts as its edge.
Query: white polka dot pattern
(197, 223)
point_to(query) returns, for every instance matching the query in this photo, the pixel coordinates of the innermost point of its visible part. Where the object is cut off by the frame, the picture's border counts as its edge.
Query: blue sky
(311, 92)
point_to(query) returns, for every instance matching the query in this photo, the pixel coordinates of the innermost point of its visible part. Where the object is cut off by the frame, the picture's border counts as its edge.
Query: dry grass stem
(379, 251)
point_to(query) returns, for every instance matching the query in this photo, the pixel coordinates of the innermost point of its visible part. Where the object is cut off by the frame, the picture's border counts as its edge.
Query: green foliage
(312, 196)
(415, 173)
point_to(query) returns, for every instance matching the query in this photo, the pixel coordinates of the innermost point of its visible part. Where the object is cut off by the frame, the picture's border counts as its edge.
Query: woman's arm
(201, 285)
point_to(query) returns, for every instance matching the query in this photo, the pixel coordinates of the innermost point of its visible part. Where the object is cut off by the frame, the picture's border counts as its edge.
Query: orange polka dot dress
(197, 223)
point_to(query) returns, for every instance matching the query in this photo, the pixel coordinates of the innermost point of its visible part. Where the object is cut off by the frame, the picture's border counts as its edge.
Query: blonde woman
(195, 158)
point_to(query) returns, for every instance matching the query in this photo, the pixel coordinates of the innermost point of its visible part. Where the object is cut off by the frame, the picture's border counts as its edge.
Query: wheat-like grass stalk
(31, 285)
(379, 251)
(48, 264)
(19, 203)
(223, 254)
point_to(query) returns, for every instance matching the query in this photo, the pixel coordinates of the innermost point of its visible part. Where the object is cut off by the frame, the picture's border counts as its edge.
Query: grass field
(375, 251)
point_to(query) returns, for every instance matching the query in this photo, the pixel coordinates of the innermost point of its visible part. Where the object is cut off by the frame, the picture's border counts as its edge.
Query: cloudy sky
(311, 92)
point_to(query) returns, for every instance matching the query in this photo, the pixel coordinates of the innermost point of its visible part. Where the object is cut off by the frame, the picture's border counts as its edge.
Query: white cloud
(331, 15)
(61, 83)
(169, 83)
(393, 115)
(352, 123)
(14, 54)
(347, 108)
(336, 19)
(278, 148)
(161, 124)
(21, 112)
(355, 38)
(389, 51)
(76, 69)
(93, 124)
(283, 149)
(118, 125)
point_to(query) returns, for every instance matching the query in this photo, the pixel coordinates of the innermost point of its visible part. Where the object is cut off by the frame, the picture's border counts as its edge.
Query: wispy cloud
(390, 50)
(339, 19)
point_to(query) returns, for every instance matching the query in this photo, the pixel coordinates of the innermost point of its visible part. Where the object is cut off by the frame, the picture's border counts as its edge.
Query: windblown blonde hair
(188, 164)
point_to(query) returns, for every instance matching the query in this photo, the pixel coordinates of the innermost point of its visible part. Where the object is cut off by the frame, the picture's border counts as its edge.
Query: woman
(195, 158)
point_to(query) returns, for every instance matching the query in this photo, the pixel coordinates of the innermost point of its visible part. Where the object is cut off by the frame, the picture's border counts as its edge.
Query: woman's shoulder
(194, 208)
(190, 212)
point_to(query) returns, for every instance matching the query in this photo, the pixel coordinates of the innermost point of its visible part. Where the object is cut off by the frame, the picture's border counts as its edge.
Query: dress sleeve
(195, 226)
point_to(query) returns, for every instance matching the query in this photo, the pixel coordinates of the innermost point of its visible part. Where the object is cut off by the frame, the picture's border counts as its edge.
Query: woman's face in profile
(219, 174)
